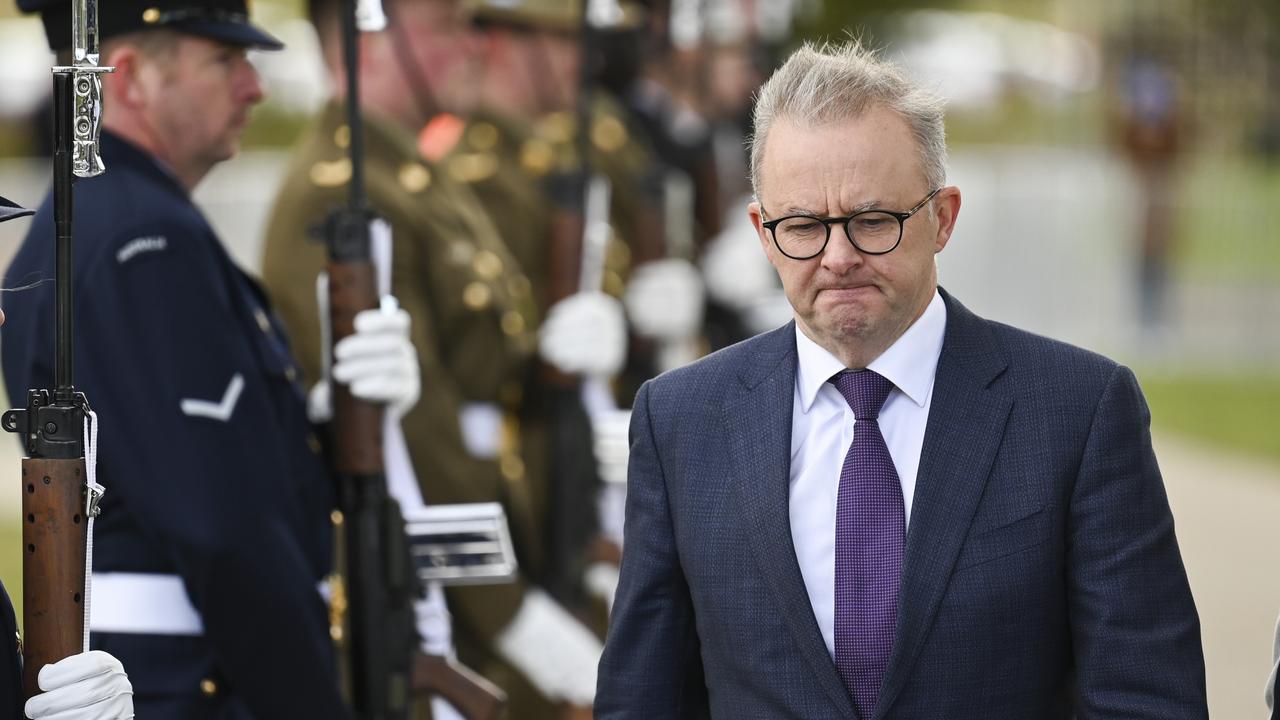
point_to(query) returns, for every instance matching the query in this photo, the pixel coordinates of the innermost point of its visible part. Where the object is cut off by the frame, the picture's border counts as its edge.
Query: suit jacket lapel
(964, 431)
(759, 425)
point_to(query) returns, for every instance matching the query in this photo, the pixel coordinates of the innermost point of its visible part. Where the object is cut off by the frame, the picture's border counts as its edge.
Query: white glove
(601, 580)
(665, 299)
(555, 652)
(584, 334)
(379, 362)
(610, 435)
(736, 270)
(88, 686)
(768, 311)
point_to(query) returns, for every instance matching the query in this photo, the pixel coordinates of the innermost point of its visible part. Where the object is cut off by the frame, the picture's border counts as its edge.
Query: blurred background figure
(1152, 132)
(1038, 98)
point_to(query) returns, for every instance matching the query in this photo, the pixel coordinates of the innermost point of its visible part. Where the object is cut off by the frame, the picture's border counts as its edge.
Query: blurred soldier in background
(533, 81)
(1150, 122)
(475, 327)
(216, 530)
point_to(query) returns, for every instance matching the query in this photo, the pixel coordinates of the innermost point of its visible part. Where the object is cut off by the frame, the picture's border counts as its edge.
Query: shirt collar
(910, 363)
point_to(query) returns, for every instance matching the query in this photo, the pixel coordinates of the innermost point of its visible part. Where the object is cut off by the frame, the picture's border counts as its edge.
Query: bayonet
(86, 82)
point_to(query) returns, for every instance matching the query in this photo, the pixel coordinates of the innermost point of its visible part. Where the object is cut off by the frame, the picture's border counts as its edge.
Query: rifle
(387, 667)
(60, 496)
(577, 240)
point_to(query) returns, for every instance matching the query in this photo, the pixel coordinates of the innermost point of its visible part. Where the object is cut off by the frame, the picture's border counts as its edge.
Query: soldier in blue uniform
(215, 530)
(87, 686)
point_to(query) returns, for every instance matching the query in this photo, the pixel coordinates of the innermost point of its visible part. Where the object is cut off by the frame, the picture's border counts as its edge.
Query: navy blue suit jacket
(1041, 578)
(235, 499)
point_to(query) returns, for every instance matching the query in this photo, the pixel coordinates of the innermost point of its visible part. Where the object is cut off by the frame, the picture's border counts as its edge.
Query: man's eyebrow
(873, 204)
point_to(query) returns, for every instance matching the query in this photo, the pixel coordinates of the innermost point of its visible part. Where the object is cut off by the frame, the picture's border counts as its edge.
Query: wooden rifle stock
(357, 425)
(53, 540)
(469, 693)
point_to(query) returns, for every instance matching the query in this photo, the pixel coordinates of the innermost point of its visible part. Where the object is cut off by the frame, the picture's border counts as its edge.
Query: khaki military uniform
(474, 321)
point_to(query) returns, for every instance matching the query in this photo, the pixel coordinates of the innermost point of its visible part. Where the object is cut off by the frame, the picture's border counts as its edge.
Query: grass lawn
(1232, 412)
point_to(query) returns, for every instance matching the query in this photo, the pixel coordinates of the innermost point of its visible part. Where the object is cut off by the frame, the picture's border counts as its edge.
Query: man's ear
(123, 85)
(756, 213)
(946, 208)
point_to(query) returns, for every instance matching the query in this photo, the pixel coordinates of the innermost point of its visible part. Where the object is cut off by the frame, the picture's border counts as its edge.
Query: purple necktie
(870, 536)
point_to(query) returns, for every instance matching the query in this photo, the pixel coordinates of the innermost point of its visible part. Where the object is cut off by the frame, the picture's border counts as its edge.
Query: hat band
(172, 17)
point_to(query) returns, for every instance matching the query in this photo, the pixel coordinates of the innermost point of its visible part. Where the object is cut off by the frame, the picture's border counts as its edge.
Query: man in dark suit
(890, 508)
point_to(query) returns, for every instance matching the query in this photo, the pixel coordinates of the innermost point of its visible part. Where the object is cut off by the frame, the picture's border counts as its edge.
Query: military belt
(146, 604)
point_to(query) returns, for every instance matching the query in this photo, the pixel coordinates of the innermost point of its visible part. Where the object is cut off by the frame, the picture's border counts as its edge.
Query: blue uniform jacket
(210, 466)
(10, 660)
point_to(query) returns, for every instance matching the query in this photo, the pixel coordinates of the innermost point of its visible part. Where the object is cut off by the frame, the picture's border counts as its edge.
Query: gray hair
(832, 82)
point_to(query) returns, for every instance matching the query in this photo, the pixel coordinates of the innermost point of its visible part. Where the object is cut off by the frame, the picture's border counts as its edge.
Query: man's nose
(840, 254)
(250, 83)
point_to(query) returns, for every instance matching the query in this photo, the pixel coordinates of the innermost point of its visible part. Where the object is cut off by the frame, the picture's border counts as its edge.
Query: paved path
(1227, 510)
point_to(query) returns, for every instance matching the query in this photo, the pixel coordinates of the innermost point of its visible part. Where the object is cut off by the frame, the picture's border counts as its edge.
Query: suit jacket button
(208, 687)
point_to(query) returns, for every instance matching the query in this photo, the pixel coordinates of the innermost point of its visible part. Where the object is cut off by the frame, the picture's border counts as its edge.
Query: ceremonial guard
(215, 532)
(475, 328)
(86, 686)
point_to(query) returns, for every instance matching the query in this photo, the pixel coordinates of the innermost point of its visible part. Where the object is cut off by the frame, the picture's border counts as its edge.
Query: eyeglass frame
(827, 222)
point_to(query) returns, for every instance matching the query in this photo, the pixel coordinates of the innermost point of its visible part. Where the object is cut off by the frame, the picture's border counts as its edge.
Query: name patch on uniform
(137, 246)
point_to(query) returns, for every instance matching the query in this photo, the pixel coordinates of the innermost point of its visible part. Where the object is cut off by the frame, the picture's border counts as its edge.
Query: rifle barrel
(63, 104)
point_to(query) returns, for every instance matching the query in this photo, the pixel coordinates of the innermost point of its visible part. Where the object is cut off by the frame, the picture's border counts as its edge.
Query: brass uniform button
(558, 127)
(482, 136)
(336, 518)
(537, 157)
(313, 442)
(487, 265)
(264, 323)
(512, 323)
(331, 174)
(291, 373)
(477, 296)
(342, 136)
(414, 177)
(151, 16)
(609, 134)
(208, 687)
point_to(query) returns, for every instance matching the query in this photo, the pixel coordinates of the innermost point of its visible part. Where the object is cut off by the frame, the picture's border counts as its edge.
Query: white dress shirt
(822, 431)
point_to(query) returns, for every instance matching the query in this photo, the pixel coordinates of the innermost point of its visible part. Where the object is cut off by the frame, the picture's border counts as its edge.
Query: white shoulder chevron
(219, 410)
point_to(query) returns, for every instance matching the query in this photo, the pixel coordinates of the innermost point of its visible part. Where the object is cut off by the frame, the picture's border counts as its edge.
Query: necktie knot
(864, 390)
